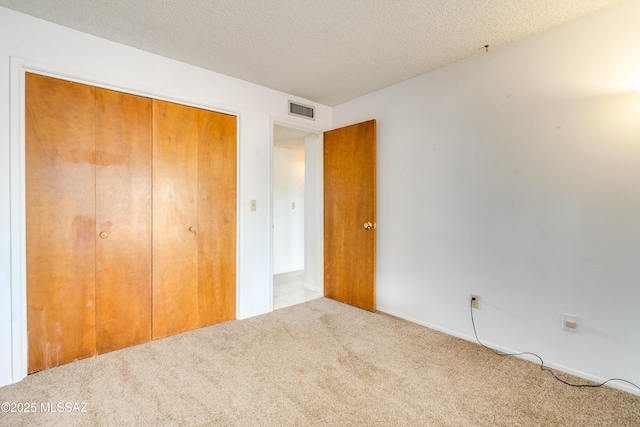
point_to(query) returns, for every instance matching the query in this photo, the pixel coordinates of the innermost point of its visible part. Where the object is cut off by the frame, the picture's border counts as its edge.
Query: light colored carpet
(320, 363)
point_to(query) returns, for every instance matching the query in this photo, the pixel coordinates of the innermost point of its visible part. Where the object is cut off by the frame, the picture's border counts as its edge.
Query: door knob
(367, 225)
(104, 234)
(192, 229)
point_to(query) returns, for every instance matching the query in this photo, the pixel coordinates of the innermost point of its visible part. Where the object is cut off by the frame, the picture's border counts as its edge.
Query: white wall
(46, 46)
(516, 175)
(288, 221)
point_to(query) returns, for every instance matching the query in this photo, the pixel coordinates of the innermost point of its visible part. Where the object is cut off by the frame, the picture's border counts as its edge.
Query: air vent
(300, 110)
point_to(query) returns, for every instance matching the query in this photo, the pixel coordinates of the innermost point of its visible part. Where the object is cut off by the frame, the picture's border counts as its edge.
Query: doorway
(297, 216)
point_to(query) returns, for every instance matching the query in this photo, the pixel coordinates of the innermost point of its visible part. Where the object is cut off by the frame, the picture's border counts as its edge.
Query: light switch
(293, 205)
(569, 322)
(254, 205)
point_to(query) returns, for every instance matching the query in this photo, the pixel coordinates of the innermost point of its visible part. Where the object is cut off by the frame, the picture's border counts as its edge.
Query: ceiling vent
(300, 110)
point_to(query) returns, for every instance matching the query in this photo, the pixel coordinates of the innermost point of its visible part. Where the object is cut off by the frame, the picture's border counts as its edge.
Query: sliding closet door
(194, 218)
(175, 218)
(123, 220)
(114, 181)
(216, 217)
(60, 224)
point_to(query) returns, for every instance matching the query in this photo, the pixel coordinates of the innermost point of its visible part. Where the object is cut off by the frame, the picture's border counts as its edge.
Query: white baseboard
(613, 384)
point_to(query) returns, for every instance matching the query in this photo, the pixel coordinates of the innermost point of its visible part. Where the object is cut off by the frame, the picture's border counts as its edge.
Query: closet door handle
(192, 229)
(104, 234)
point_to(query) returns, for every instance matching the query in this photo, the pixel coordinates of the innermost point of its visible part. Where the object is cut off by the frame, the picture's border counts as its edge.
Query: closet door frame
(18, 282)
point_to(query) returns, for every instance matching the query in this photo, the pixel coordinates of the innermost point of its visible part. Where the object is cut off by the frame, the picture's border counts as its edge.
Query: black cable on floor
(542, 367)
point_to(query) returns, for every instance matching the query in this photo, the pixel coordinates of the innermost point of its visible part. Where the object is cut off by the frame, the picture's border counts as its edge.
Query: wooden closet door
(216, 217)
(123, 215)
(175, 216)
(60, 221)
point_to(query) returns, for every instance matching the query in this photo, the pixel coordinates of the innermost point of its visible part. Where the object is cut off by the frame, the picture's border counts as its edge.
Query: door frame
(17, 221)
(279, 121)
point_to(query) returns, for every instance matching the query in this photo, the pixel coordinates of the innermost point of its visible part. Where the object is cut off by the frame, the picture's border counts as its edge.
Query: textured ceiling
(327, 51)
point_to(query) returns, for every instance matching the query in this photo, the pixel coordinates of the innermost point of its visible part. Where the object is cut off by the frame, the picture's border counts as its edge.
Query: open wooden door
(350, 215)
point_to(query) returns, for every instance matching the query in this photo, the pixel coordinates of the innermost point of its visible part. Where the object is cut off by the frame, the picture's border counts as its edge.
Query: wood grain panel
(349, 202)
(175, 196)
(60, 222)
(216, 217)
(123, 211)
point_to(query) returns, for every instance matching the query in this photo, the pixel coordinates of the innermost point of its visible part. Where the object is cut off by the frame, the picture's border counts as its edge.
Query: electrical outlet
(475, 301)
